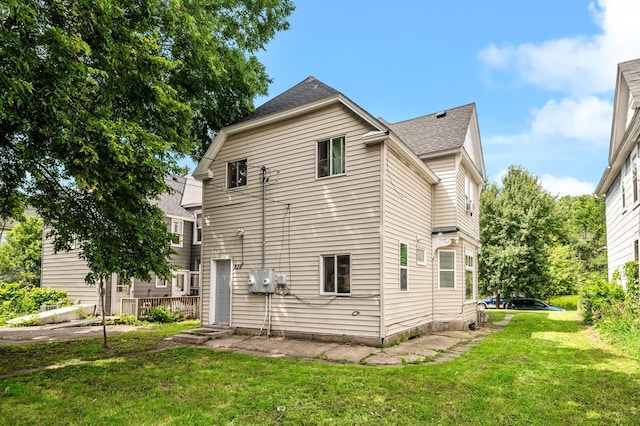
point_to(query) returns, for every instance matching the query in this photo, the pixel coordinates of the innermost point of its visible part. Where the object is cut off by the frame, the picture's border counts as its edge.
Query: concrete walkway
(438, 347)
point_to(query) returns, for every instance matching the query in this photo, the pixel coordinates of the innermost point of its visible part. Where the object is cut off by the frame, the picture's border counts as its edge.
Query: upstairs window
(237, 173)
(177, 228)
(634, 176)
(331, 157)
(197, 228)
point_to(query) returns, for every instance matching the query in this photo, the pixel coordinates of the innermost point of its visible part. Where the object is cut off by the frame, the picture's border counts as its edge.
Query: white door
(220, 297)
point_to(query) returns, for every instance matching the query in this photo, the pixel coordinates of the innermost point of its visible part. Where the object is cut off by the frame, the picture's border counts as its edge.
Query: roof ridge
(431, 114)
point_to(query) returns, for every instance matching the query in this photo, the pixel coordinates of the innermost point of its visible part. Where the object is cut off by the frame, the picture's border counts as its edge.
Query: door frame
(213, 288)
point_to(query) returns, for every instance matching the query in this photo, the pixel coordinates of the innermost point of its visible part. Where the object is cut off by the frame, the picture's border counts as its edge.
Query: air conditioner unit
(470, 206)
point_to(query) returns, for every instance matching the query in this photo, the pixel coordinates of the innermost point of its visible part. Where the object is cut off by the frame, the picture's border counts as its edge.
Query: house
(323, 222)
(183, 215)
(619, 182)
(7, 226)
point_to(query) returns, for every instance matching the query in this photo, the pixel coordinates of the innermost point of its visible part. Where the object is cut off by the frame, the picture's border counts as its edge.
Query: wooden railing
(186, 306)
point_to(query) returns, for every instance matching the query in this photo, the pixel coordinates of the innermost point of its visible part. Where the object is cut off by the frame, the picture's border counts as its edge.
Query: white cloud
(579, 66)
(586, 119)
(566, 185)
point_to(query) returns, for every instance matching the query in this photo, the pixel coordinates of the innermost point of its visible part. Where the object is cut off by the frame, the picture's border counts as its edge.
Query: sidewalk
(438, 347)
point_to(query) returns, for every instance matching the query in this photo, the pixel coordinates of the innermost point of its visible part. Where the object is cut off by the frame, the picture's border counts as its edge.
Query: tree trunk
(497, 300)
(102, 302)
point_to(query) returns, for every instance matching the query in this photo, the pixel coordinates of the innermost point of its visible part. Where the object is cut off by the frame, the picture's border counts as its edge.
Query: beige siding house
(183, 215)
(321, 221)
(619, 182)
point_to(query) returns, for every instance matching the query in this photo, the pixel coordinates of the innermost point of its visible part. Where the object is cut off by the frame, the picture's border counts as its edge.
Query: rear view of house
(183, 215)
(321, 221)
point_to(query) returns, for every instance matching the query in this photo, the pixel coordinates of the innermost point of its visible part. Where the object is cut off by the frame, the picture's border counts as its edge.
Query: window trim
(246, 180)
(422, 250)
(440, 252)
(335, 257)
(402, 267)
(470, 268)
(195, 226)
(634, 177)
(164, 285)
(180, 233)
(330, 157)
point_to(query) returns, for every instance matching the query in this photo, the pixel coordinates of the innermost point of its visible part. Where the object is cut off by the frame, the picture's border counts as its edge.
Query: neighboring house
(8, 225)
(364, 230)
(183, 215)
(619, 182)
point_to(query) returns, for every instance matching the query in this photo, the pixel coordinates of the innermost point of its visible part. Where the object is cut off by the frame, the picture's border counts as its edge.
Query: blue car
(490, 303)
(523, 303)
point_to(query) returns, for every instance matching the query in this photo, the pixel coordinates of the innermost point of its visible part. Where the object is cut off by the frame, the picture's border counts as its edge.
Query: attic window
(441, 114)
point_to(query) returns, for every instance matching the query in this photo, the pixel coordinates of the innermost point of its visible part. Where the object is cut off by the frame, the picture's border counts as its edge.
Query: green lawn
(542, 369)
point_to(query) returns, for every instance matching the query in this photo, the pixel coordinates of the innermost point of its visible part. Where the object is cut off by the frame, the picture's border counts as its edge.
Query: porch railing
(186, 306)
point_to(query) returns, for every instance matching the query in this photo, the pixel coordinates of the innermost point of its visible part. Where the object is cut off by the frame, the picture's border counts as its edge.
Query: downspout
(383, 174)
(267, 296)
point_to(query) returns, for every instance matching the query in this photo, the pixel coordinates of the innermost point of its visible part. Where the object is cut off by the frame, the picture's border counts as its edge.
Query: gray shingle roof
(308, 90)
(171, 203)
(442, 131)
(631, 72)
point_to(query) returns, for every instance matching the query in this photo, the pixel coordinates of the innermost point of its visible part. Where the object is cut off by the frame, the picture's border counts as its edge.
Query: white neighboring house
(370, 228)
(619, 183)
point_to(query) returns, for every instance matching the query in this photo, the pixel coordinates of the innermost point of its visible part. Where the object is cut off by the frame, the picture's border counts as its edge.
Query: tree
(21, 254)
(585, 231)
(100, 99)
(518, 223)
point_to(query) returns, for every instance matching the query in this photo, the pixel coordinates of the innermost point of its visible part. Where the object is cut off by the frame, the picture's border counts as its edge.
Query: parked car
(524, 303)
(490, 303)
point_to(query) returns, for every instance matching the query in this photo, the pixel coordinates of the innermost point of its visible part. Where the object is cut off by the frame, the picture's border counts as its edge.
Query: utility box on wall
(261, 281)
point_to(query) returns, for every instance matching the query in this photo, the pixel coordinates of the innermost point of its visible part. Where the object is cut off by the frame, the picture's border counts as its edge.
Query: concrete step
(191, 339)
(199, 336)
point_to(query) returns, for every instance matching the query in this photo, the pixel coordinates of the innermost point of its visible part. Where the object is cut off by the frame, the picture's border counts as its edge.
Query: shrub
(17, 300)
(162, 314)
(600, 298)
(129, 319)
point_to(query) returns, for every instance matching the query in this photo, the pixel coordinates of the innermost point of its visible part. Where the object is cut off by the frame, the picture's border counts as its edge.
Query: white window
(237, 173)
(197, 228)
(331, 155)
(469, 272)
(404, 267)
(634, 176)
(161, 283)
(421, 256)
(336, 274)
(446, 269)
(177, 228)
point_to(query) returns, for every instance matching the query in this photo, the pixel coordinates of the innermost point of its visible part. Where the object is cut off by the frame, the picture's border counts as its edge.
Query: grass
(570, 303)
(543, 368)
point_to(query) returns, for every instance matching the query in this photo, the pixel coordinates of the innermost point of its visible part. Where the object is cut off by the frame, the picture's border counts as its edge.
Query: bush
(162, 314)
(129, 319)
(600, 298)
(17, 300)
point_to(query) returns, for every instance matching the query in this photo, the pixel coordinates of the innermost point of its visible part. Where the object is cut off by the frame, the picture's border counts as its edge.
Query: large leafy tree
(21, 254)
(99, 100)
(518, 225)
(585, 231)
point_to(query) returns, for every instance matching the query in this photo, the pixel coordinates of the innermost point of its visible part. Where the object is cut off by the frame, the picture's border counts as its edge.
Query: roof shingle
(442, 131)
(308, 90)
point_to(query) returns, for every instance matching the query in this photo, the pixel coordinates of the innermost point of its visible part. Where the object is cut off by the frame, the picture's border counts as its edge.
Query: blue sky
(542, 73)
